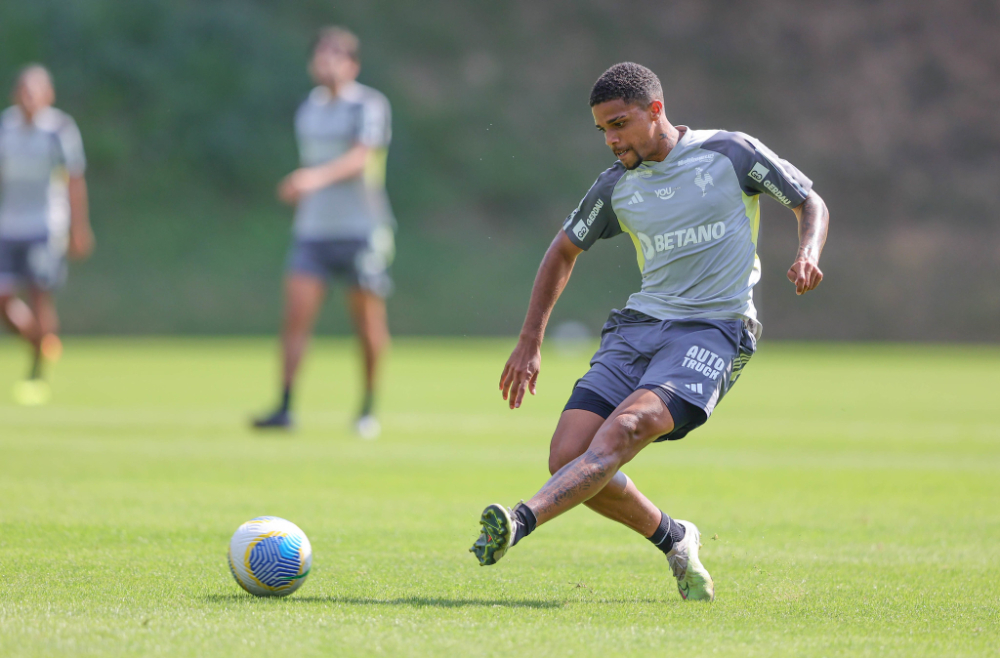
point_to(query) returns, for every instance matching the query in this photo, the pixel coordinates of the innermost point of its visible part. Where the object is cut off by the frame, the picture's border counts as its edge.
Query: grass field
(848, 496)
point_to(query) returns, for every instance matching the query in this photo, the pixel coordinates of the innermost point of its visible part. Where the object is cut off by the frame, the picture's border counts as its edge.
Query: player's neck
(666, 137)
(339, 88)
(29, 117)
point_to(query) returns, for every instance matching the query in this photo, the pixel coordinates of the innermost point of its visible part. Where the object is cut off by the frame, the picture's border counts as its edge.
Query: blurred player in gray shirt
(43, 215)
(343, 223)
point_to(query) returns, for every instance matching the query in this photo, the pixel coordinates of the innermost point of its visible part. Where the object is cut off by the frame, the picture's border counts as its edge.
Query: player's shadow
(412, 601)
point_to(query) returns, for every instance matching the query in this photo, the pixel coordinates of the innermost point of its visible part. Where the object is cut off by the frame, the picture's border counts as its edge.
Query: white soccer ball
(270, 556)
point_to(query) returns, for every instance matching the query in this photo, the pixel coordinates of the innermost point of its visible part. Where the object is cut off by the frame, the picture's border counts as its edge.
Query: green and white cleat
(496, 535)
(693, 580)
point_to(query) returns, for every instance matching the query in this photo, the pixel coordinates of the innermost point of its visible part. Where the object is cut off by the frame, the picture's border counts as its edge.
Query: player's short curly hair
(631, 82)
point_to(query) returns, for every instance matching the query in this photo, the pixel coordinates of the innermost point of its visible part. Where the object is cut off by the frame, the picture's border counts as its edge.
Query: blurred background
(186, 113)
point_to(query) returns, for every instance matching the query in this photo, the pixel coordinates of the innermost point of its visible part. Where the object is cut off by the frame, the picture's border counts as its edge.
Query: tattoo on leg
(574, 483)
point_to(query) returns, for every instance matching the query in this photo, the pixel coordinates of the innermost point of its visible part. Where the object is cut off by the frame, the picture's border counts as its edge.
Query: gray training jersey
(693, 219)
(327, 127)
(35, 160)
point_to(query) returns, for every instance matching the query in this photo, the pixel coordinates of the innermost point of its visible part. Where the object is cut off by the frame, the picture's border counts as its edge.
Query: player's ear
(655, 109)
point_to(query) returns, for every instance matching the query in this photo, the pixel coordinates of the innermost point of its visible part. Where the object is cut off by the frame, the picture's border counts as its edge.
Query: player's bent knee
(624, 435)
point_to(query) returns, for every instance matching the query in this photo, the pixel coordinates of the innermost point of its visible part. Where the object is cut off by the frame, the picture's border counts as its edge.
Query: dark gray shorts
(40, 263)
(696, 360)
(354, 261)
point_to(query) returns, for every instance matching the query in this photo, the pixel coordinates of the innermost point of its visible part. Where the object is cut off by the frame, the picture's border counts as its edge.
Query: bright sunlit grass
(848, 497)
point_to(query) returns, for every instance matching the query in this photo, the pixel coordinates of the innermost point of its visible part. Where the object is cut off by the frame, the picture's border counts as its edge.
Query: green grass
(848, 496)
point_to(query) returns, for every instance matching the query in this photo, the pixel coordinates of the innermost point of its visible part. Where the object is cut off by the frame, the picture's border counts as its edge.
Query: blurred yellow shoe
(51, 347)
(32, 392)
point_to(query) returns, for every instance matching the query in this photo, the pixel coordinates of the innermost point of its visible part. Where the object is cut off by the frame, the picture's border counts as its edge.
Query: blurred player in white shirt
(43, 217)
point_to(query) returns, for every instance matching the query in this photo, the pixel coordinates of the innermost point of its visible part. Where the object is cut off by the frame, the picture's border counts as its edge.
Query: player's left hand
(805, 274)
(299, 183)
(81, 244)
(521, 372)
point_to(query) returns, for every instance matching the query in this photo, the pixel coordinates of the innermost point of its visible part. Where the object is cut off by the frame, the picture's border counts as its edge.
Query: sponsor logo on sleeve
(581, 230)
(758, 172)
(773, 189)
(593, 213)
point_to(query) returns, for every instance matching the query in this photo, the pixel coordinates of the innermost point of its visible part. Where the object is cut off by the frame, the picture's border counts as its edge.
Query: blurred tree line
(186, 111)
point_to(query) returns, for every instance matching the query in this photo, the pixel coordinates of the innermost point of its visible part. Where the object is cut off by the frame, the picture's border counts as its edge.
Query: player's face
(34, 92)
(333, 67)
(629, 129)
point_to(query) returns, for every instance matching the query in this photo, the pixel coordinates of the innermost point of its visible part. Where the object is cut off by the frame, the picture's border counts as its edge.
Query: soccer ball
(269, 556)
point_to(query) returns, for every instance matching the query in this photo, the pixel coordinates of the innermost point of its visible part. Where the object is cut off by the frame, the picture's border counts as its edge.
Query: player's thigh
(573, 435)
(367, 309)
(634, 424)
(304, 295)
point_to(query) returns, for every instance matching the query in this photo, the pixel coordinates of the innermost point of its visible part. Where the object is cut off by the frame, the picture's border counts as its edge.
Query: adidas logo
(636, 198)
(694, 387)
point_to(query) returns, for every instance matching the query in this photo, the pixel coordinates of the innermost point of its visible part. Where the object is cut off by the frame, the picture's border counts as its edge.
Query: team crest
(703, 179)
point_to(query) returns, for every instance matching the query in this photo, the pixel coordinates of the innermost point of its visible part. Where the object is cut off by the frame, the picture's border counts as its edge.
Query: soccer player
(43, 214)
(343, 223)
(689, 200)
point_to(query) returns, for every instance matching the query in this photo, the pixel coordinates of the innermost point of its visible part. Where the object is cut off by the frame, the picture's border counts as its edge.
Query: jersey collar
(681, 145)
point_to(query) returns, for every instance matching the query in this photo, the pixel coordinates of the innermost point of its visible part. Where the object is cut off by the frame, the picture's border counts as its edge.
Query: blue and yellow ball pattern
(270, 556)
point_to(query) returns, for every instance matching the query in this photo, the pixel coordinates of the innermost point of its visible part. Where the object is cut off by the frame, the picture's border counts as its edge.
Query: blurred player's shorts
(363, 263)
(40, 263)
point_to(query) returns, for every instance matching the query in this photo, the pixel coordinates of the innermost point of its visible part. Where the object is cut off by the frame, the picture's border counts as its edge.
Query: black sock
(286, 399)
(667, 533)
(367, 404)
(526, 521)
(36, 365)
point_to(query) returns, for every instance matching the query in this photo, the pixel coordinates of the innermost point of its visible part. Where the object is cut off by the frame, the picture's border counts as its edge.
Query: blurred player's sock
(367, 404)
(667, 533)
(367, 426)
(286, 398)
(36, 365)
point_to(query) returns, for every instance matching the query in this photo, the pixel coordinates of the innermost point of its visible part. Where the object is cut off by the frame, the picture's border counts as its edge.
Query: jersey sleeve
(760, 170)
(376, 122)
(594, 219)
(69, 146)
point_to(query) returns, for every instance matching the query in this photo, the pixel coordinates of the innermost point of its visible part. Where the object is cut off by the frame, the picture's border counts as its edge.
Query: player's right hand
(81, 244)
(521, 372)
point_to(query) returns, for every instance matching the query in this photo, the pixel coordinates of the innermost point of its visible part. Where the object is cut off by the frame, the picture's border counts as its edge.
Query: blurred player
(343, 223)
(689, 199)
(43, 214)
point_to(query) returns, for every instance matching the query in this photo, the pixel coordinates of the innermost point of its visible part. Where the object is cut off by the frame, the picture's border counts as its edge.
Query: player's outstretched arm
(81, 236)
(521, 371)
(814, 220)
